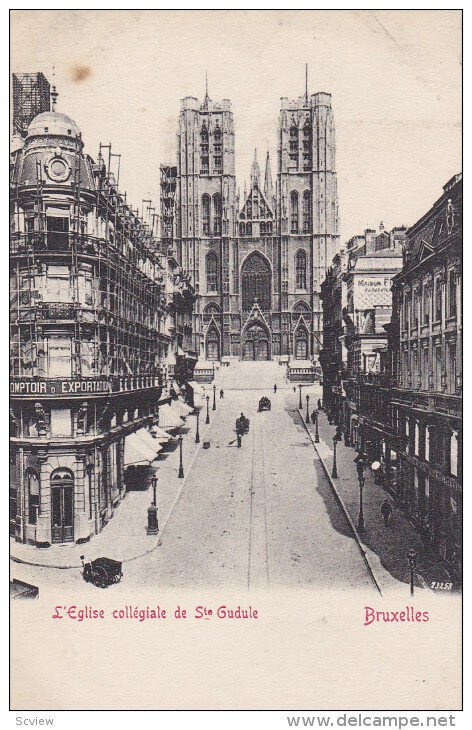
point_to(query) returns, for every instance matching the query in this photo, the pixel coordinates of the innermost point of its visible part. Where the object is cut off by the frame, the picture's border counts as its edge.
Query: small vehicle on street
(264, 404)
(102, 572)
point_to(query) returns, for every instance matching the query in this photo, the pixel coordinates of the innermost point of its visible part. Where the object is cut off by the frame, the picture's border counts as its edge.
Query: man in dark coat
(386, 511)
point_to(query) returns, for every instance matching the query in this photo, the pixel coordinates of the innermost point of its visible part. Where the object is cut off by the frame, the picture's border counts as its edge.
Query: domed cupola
(54, 142)
(53, 124)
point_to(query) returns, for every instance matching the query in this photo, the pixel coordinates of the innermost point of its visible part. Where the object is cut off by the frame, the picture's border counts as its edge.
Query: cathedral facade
(257, 260)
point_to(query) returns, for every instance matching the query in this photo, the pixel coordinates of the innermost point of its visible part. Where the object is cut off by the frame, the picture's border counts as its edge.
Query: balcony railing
(445, 403)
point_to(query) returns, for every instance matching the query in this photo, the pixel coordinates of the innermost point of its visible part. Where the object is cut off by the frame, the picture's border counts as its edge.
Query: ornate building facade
(257, 260)
(100, 318)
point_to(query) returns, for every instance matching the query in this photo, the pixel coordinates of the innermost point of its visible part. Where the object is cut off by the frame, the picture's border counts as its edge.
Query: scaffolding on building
(115, 305)
(168, 185)
(31, 96)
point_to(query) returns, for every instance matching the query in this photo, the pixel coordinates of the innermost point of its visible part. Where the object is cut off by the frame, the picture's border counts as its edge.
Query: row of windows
(433, 445)
(427, 301)
(265, 228)
(212, 271)
(427, 369)
(212, 216)
(205, 150)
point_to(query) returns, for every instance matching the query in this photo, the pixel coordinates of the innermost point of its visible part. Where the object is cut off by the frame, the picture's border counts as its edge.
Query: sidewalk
(387, 547)
(124, 538)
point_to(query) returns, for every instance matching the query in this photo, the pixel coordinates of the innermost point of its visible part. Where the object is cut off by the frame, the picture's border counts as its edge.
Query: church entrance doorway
(256, 345)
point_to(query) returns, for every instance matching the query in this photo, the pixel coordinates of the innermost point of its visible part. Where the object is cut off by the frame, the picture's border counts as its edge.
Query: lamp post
(207, 420)
(360, 466)
(152, 525)
(412, 566)
(307, 418)
(300, 404)
(317, 433)
(214, 398)
(334, 472)
(181, 464)
(197, 433)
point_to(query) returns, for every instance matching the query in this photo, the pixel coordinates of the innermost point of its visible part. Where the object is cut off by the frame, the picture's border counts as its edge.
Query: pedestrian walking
(294, 389)
(386, 511)
(222, 393)
(320, 405)
(275, 388)
(314, 416)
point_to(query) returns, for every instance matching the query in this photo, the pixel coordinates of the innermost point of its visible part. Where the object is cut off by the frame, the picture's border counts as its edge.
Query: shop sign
(62, 387)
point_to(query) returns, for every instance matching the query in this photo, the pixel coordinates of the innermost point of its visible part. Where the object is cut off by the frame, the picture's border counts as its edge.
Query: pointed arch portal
(256, 342)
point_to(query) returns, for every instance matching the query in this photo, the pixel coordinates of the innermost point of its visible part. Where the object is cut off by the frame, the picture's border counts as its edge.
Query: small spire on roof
(53, 94)
(207, 98)
(255, 171)
(268, 185)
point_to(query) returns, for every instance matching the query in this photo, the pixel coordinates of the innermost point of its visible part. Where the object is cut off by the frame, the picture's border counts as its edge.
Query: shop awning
(149, 441)
(181, 408)
(160, 435)
(197, 388)
(169, 419)
(136, 451)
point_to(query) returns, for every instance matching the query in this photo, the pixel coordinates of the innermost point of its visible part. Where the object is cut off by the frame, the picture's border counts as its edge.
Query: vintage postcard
(236, 360)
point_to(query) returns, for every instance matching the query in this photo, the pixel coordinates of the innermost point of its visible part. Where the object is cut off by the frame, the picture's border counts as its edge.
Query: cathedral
(257, 261)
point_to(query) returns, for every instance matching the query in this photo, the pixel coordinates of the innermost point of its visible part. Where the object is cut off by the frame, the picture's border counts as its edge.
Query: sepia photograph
(236, 346)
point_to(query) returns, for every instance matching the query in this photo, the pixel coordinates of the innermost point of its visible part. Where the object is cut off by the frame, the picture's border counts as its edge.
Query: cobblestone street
(261, 516)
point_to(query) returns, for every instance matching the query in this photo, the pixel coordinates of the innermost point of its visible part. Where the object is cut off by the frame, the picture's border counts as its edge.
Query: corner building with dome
(257, 258)
(88, 333)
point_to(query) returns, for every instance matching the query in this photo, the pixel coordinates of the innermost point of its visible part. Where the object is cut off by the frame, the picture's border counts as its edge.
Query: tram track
(258, 575)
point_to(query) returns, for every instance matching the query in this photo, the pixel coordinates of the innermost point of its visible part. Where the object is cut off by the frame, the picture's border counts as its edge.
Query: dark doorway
(256, 344)
(62, 506)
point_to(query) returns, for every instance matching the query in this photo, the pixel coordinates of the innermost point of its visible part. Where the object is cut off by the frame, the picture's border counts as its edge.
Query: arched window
(206, 214)
(248, 229)
(301, 307)
(217, 214)
(211, 265)
(212, 310)
(301, 343)
(204, 151)
(306, 211)
(256, 282)
(300, 270)
(294, 211)
(212, 344)
(242, 229)
(32, 484)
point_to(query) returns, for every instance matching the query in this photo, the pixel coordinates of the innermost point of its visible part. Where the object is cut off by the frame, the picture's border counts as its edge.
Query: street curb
(22, 561)
(360, 544)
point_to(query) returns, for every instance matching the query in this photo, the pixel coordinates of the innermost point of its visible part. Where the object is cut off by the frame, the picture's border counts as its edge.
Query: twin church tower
(257, 261)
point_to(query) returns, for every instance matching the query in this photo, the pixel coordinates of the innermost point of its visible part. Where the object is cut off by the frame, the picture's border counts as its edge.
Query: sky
(394, 76)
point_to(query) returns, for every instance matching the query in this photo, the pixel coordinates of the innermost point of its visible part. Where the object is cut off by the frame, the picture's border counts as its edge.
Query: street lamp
(181, 464)
(197, 433)
(412, 566)
(152, 525)
(214, 398)
(300, 405)
(317, 433)
(360, 466)
(207, 420)
(334, 472)
(307, 412)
